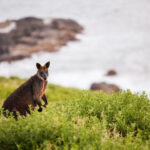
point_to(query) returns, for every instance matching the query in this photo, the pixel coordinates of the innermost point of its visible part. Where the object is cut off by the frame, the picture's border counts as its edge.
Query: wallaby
(29, 93)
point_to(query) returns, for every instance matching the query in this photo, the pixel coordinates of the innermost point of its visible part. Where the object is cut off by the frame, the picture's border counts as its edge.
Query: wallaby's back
(21, 97)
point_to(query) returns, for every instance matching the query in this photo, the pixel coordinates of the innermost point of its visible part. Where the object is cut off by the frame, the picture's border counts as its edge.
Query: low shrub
(77, 119)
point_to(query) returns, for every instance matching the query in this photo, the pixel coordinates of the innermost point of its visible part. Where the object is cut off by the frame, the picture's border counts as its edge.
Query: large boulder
(110, 88)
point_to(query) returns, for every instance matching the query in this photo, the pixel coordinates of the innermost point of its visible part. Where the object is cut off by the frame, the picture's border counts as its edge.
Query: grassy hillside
(77, 119)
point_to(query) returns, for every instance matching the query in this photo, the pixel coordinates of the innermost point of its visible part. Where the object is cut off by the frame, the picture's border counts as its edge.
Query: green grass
(77, 119)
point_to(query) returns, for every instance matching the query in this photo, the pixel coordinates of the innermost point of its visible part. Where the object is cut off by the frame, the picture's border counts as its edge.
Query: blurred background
(115, 38)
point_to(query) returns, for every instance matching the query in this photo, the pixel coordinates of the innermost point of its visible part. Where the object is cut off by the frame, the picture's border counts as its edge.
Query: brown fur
(29, 93)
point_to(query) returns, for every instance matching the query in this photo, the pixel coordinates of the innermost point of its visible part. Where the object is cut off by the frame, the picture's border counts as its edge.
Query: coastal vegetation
(78, 119)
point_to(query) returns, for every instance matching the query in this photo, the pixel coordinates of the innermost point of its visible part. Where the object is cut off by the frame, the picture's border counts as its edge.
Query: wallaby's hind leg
(45, 100)
(14, 112)
(28, 110)
(4, 113)
(15, 115)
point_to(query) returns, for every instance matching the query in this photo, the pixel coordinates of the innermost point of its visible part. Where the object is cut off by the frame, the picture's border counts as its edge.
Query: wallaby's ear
(38, 65)
(47, 64)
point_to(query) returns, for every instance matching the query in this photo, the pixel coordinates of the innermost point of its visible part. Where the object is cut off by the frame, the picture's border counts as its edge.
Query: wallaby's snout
(43, 75)
(43, 71)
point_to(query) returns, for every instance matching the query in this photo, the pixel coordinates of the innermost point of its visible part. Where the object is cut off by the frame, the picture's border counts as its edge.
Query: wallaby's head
(42, 71)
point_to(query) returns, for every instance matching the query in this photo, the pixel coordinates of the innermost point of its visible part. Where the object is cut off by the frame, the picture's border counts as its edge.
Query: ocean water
(116, 36)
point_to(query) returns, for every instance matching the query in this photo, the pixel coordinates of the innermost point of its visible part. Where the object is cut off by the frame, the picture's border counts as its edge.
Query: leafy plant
(77, 119)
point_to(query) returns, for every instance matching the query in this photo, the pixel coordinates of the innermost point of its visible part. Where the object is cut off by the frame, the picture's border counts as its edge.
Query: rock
(66, 24)
(5, 41)
(13, 58)
(31, 35)
(5, 24)
(111, 73)
(105, 87)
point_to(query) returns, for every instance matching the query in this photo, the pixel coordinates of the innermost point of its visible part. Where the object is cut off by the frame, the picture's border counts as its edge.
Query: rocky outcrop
(32, 35)
(4, 24)
(110, 88)
(111, 73)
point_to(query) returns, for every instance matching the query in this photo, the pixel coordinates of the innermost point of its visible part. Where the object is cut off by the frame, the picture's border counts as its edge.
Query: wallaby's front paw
(40, 109)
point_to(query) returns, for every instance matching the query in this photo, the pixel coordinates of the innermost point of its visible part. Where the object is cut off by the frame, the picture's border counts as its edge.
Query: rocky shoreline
(21, 38)
(31, 35)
